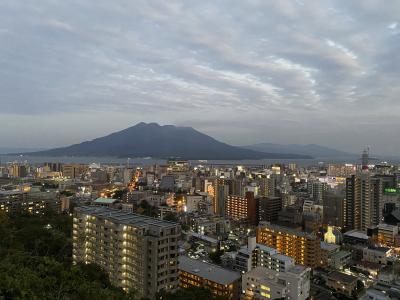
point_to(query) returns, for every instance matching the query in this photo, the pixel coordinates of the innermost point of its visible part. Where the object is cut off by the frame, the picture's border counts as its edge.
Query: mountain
(6, 150)
(144, 140)
(310, 149)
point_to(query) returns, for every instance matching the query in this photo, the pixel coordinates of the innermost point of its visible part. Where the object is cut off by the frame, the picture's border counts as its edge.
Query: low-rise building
(378, 255)
(387, 234)
(220, 281)
(327, 250)
(342, 283)
(262, 283)
(339, 260)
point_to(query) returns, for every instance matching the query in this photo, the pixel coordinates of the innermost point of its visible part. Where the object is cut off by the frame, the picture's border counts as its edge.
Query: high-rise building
(334, 208)
(317, 190)
(18, 171)
(268, 186)
(269, 207)
(241, 208)
(364, 201)
(304, 247)
(222, 190)
(73, 170)
(136, 251)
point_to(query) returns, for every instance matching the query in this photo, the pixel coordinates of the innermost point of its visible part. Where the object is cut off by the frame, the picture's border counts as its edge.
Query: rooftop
(204, 237)
(118, 216)
(342, 277)
(264, 248)
(357, 234)
(263, 273)
(341, 253)
(282, 257)
(105, 200)
(288, 230)
(298, 269)
(379, 249)
(329, 247)
(208, 271)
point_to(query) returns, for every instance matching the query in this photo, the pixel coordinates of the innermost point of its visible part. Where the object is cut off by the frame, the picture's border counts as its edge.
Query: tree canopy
(35, 262)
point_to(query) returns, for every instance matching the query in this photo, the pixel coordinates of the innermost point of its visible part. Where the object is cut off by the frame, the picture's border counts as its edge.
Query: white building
(192, 202)
(378, 255)
(257, 255)
(263, 283)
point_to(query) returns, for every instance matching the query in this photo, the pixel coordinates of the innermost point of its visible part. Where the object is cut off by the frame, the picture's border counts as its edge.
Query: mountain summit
(151, 139)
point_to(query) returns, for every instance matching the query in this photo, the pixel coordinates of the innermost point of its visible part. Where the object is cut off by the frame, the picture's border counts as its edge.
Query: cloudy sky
(323, 72)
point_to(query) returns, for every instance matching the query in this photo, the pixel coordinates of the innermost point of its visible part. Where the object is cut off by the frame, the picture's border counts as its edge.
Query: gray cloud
(244, 71)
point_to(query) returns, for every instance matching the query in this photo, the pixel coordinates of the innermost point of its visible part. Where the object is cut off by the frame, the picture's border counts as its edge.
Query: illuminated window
(265, 295)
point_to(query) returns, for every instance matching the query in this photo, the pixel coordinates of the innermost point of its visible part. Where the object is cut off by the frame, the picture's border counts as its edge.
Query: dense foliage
(35, 262)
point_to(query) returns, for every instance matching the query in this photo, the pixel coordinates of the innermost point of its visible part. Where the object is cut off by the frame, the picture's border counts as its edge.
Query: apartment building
(261, 283)
(304, 247)
(242, 208)
(256, 255)
(137, 252)
(221, 282)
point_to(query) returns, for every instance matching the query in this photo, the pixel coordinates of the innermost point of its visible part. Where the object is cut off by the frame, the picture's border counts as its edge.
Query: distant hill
(153, 140)
(310, 149)
(6, 150)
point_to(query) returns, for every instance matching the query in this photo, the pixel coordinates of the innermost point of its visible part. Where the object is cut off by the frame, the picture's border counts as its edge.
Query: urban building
(342, 283)
(387, 234)
(256, 255)
(262, 283)
(220, 281)
(304, 247)
(378, 255)
(136, 251)
(241, 208)
(73, 171)
(364, 201)
(269, 207)
(32, 202)
(222, 191)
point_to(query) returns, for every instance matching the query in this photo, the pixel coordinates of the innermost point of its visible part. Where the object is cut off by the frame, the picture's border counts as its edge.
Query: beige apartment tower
(137, 252)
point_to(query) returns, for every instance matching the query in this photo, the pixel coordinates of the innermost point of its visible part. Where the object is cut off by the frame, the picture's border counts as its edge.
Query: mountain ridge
(313, 150)
(162, 141)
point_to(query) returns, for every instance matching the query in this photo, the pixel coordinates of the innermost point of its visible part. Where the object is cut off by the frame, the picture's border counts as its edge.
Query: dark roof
(342, 277)
(121, 217)
(208, 271)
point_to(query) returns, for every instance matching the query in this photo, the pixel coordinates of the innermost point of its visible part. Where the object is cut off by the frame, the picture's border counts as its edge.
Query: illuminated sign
(392, 191)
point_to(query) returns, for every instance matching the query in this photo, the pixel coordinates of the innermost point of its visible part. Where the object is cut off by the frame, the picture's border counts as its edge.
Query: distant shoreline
(151, 161)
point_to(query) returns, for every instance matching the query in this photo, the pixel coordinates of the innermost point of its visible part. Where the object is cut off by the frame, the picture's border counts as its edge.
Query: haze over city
(323, 72)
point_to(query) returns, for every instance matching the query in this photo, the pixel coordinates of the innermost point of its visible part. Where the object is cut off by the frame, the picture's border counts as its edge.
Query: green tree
(35, 262)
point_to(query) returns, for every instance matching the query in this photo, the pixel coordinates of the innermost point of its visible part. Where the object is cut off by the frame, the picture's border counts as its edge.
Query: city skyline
(263, 71)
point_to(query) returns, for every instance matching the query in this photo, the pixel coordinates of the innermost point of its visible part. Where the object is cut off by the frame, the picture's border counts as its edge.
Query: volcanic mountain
(153, 140)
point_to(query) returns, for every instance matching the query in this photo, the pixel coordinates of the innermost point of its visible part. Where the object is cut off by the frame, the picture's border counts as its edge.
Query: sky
(244, 72)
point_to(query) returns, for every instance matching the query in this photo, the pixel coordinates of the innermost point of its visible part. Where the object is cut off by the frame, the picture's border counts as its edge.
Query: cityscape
(279, 231)
(161, 150)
